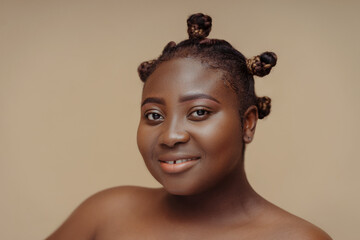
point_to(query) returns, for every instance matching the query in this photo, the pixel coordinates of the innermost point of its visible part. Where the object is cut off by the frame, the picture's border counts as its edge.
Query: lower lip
(178, 167)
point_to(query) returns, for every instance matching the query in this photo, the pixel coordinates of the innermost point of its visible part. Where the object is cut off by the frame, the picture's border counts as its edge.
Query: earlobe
(250, 120)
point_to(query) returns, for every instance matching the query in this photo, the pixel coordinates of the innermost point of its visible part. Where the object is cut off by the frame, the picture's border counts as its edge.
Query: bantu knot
(199, 26)
(261, 65)
(145, 69)
(169, 46)
(263, 106)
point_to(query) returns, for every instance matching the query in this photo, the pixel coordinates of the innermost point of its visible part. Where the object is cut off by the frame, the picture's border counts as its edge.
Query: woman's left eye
(199, 114)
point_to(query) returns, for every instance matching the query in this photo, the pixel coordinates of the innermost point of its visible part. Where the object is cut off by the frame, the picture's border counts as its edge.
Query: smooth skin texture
(188, 112)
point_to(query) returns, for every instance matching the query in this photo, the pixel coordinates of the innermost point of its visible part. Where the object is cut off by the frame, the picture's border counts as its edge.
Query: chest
(159, 230)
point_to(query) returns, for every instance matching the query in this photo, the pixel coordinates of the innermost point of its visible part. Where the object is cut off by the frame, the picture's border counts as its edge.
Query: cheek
(222, 133)
(145, 141)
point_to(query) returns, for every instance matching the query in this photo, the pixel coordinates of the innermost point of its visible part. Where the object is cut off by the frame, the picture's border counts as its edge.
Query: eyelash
(205, 114)
(147, 115)
(157, 117)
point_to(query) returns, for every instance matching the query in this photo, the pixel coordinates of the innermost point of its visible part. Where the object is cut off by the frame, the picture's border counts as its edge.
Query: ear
(250, 120)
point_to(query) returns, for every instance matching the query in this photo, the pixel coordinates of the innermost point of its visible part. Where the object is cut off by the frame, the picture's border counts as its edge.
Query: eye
(153, 116)
(199, 114)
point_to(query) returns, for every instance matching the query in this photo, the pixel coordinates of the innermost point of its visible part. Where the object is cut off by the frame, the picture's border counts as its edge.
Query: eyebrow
(181, 99)
(153, 100)
(197, 96)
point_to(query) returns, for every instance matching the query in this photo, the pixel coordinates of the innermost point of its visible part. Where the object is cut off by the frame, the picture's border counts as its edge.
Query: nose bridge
(174, 131)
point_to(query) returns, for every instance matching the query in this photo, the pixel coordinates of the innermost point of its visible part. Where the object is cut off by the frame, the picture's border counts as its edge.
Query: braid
(170, 46)
(146, 69)
(219, 54)
(261, 65)
(199, 26)
(263, 105)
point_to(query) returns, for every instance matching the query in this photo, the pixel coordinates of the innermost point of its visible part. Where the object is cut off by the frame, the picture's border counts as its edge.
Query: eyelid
(200, 107)
(153, 111)
(199, 118)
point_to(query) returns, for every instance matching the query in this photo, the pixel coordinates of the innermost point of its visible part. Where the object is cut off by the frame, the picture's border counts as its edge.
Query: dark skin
(191, 116)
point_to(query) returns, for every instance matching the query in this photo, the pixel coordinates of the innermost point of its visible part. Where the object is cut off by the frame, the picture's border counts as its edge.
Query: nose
(173, 134)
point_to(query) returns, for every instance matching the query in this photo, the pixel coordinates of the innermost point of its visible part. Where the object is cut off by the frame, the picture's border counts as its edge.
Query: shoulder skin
(86, 220)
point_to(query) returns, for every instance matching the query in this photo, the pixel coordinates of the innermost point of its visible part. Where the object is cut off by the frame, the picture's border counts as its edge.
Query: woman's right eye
(152, 116)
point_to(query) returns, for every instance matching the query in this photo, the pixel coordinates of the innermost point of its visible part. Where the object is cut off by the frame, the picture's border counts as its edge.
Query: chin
(180, 191)
(184, 188)
(181, 188)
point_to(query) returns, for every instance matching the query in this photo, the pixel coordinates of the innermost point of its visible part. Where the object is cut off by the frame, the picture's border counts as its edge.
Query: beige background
(69, 103)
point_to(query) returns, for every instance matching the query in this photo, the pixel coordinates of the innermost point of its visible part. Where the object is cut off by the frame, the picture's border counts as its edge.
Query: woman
(198, 111)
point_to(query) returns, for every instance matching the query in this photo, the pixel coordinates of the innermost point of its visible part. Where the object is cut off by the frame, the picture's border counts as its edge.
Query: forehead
(186, 76)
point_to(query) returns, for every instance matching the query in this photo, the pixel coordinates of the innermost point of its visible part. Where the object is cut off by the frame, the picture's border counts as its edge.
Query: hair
(219, 54)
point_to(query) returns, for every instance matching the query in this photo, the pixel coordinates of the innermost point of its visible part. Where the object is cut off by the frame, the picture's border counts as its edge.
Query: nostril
(174, 132)
(171, 139)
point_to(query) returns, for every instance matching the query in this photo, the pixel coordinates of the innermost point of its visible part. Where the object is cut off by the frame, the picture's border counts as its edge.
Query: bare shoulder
(303, 230)
(120, 198)
(114, 204)
(289, 226)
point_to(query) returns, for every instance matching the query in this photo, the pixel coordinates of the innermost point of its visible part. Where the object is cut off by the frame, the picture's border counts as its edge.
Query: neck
(232, 195)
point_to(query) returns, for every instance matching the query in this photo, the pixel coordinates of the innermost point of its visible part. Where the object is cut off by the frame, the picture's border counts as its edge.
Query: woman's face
(190, 133)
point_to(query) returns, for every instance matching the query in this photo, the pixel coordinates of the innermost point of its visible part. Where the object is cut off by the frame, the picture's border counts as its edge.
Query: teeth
(180, 161)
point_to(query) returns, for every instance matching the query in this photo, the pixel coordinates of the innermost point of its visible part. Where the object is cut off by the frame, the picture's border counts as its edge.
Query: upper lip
(174, 157)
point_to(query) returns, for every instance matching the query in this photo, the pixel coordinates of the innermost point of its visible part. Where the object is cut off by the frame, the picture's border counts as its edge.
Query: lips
(177, 164)
(179, 160)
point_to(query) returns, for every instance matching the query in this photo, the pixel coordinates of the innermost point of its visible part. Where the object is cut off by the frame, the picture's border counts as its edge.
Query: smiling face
(190, 133)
